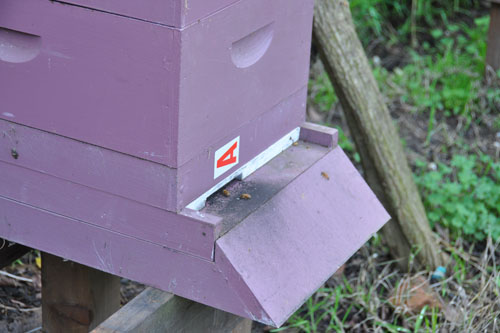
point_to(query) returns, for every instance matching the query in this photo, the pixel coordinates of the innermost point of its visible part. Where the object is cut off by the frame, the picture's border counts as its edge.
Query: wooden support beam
(9, 252)
(76, 298)
(157, 311)
(493, 51)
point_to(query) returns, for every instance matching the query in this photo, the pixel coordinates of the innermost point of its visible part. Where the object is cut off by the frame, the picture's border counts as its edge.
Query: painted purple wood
(98, 78)
(196, 176)
(137, 179)
(175, 13)
(108, 128)
(262, 264)
(181, 274)
(115, 191)
(282, 170)
(288, 248)
(158, 93)
(108, 189)
(88, 165)
(216, 95)
(318, 134)
(194, 235)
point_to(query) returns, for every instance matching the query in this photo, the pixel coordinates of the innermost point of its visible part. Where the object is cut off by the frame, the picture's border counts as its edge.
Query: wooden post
(76, 298)
(493, 51)
(157, 311)
(382, 155)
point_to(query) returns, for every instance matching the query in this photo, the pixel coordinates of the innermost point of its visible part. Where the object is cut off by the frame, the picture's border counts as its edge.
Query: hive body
(117, 115)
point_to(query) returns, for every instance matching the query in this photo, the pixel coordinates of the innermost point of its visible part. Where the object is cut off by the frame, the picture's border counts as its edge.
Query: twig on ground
(6, 307)
(12, 276)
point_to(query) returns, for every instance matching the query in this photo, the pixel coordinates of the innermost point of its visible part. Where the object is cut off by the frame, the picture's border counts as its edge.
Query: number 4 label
(227, 157)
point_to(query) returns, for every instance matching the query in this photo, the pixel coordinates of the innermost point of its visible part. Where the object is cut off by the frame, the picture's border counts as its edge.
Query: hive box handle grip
(248, 50)
(18, 47)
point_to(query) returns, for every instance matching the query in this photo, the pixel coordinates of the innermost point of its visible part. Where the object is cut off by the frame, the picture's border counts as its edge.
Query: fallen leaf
(295, 144)
(226, 193)
(245, 196)
(413, 293)
(325, 175)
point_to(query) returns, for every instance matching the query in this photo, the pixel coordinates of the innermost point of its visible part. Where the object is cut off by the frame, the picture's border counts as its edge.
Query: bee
(325, 175)
(245, 196)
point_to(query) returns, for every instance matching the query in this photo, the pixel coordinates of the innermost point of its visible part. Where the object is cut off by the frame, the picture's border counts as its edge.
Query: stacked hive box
(117, 114)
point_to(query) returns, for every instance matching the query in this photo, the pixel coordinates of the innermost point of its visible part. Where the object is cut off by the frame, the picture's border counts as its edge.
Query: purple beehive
(120, 120)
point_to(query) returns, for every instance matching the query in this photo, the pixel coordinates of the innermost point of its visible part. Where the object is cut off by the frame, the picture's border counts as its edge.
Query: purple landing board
(159, 93)
(137, 179)
(265, 265)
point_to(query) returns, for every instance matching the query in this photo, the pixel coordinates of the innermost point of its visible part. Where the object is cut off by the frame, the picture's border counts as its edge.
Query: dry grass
(358, 299)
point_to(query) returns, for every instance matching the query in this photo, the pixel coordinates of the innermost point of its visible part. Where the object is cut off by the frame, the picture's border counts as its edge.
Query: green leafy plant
(322, 93)
(392, 21)
(448, 76)
(463, 196)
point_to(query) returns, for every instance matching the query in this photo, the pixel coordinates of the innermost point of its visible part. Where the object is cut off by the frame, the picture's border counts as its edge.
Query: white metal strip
(247, 169)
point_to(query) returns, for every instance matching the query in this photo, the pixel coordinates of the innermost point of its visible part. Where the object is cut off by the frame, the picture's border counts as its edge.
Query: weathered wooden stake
(157, 311)
(76, 298)
(493, 51)
(375, 135)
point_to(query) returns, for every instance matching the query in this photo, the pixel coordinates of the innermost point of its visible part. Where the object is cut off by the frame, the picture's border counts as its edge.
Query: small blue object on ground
(438, 274)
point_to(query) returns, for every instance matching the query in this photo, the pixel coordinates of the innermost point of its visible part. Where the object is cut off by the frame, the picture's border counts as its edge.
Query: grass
(358, 300)
(439, 77)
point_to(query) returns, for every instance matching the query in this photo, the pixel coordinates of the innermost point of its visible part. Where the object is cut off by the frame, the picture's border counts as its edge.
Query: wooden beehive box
(118, 120)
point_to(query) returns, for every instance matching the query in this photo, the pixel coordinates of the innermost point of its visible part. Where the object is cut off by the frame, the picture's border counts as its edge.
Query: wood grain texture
(493, 51)
(157, 311)
(76, 298)
(375, 135)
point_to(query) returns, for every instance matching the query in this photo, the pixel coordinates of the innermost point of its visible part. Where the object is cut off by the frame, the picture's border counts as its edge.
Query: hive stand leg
(76, 298)
(493, 51)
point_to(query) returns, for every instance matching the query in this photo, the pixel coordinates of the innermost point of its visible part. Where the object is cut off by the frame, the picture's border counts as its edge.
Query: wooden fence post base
(76, 298)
